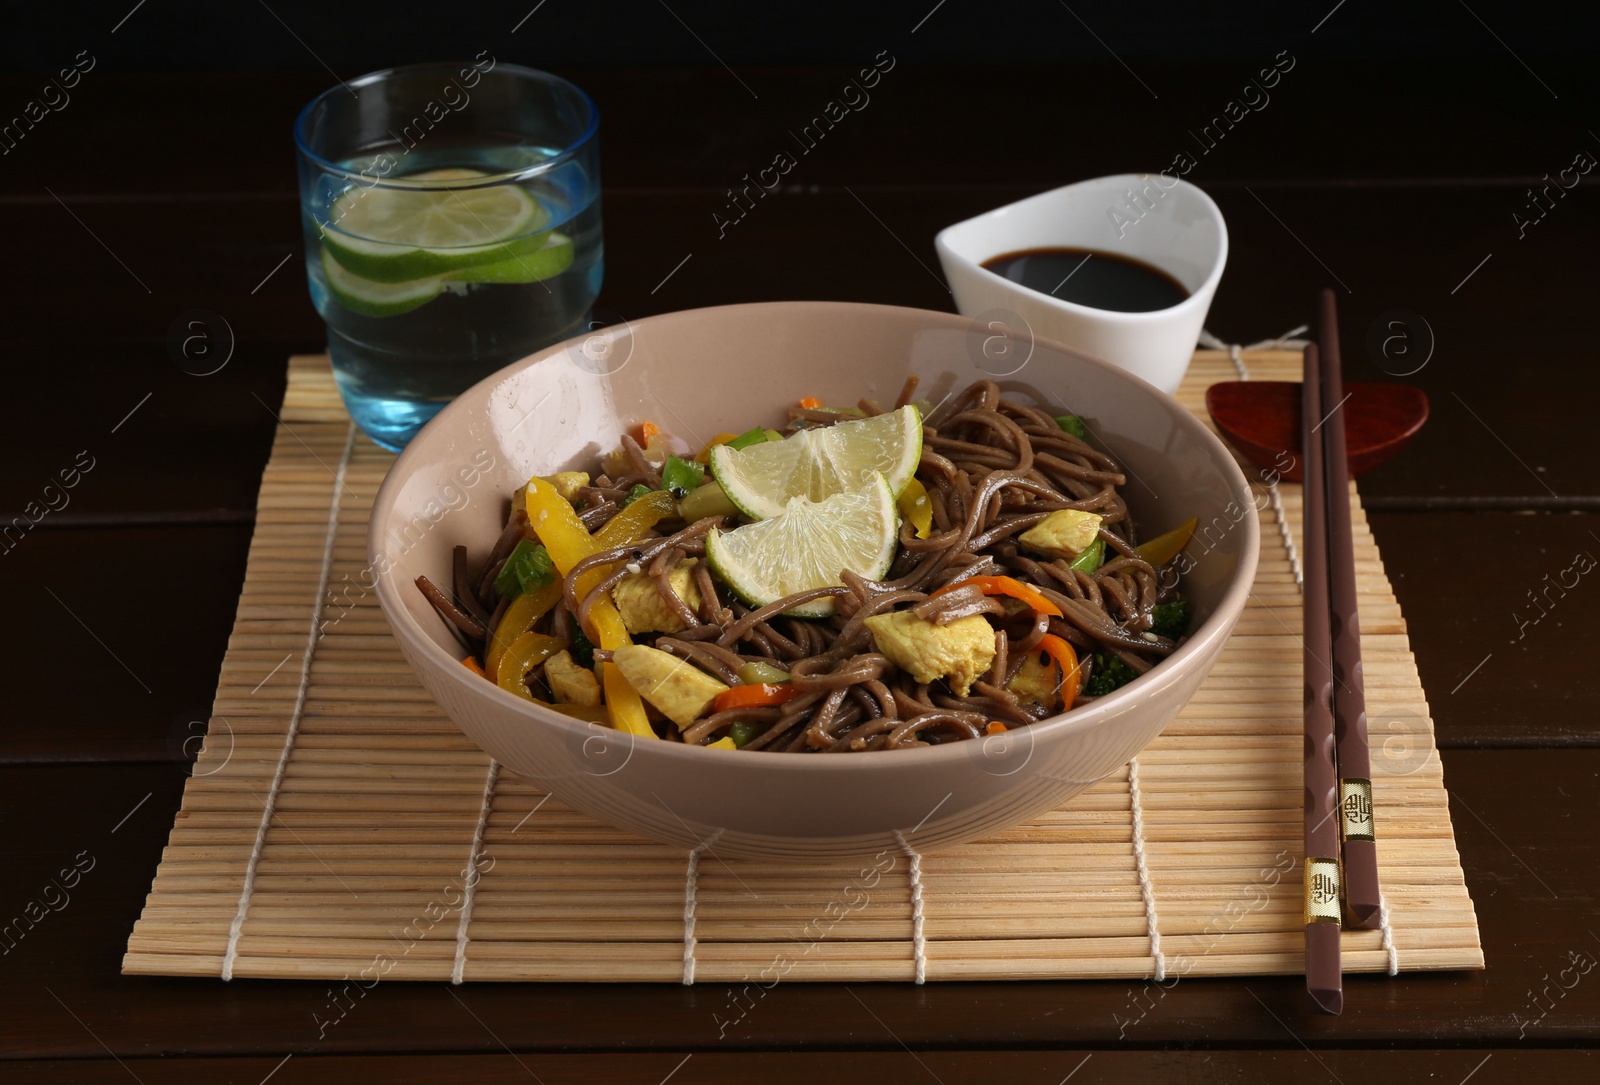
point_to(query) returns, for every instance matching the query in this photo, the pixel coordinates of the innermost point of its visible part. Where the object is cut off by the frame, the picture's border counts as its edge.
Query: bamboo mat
(337, 825)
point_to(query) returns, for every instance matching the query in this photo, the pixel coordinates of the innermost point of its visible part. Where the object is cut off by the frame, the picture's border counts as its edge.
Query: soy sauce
(1102, 280)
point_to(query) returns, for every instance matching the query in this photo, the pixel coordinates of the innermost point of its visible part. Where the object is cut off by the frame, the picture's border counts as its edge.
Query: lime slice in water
(806, 545)
(817, 463)
(546, 262)
(394, 235)
(370, 298)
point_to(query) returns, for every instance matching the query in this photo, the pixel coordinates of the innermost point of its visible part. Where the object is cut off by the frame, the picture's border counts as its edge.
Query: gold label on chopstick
(1322, 891)
(1355, 805)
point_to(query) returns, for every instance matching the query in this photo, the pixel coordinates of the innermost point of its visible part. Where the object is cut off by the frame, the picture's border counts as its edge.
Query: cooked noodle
(992, 468)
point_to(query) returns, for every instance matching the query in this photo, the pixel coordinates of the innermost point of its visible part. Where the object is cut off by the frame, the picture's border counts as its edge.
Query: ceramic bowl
(1154, 218)
(706, 371)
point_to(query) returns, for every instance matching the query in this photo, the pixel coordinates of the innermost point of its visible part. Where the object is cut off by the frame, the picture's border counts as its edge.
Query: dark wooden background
(1381, 166)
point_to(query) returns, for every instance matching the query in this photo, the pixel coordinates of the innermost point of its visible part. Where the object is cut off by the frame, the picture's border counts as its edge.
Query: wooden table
(156, 195)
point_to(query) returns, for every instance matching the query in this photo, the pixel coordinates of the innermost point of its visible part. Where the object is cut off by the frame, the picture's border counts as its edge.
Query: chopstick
(1324, 982)
(1360, 848)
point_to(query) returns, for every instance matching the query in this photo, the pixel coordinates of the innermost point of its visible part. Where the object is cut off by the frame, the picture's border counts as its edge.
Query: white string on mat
(691, 888)
(1235, 351)
(470, 889)
(1146, 889)
(919, 943)
(1388, 935)
(270, 802)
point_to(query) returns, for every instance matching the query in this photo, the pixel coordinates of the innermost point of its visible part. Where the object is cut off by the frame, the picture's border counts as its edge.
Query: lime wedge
(806, 545)
(370, 298)
(818, 463)
(394, 235)
(530, 267)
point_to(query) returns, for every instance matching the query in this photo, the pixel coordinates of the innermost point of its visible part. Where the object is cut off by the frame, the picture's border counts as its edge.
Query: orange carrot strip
(1061, 652)
(1005, 585)
(755, 695)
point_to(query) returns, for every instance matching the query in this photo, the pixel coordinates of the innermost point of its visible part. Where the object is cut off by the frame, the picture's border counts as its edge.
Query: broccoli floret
(1170, 620)
(1109, 673)
(582, 651)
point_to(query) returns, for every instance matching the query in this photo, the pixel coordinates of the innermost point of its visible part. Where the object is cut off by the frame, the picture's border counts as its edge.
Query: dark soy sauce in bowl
(1101, 280)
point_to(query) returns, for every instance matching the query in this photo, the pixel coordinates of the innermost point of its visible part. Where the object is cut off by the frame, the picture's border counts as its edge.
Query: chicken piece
(677, 687)
(1036, 682)
(568, 483)
(1065, 533)
(642, 608)
(960, 651)
(570, 683)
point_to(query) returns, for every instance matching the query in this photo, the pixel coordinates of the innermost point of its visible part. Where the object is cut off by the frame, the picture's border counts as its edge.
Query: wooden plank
(885, 1062)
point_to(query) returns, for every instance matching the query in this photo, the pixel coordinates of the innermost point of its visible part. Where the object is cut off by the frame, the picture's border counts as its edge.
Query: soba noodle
(993, 468)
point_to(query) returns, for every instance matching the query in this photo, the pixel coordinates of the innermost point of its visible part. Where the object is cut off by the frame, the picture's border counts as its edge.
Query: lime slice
(370, 298)
(531, 267)
(807, 545)
(817, 463)
(394, 235)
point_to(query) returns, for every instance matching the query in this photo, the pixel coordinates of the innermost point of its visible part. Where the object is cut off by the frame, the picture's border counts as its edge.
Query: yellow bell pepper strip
(704, 455)
(525, 653)
(632, 523)
(564, 535)
(597, 714)
(1008, 586)
(723, 743)
(915, 506)
(1061, 651)
(1163, 548)
(528, 652)
(518, 619)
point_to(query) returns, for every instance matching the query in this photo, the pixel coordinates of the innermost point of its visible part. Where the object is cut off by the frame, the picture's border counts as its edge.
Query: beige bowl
(706, 371)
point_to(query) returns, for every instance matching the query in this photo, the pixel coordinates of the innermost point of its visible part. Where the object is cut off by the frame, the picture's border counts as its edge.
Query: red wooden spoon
(1262, 420)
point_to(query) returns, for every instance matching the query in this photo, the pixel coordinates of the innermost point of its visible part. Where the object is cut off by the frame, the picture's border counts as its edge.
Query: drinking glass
(451, 215)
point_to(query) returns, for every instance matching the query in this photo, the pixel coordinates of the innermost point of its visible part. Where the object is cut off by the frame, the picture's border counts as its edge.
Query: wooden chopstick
(1360, 849)
(1324, 983)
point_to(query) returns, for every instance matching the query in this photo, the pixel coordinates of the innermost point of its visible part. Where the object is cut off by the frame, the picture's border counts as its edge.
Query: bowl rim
(1199, 297)
(1218, 626)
